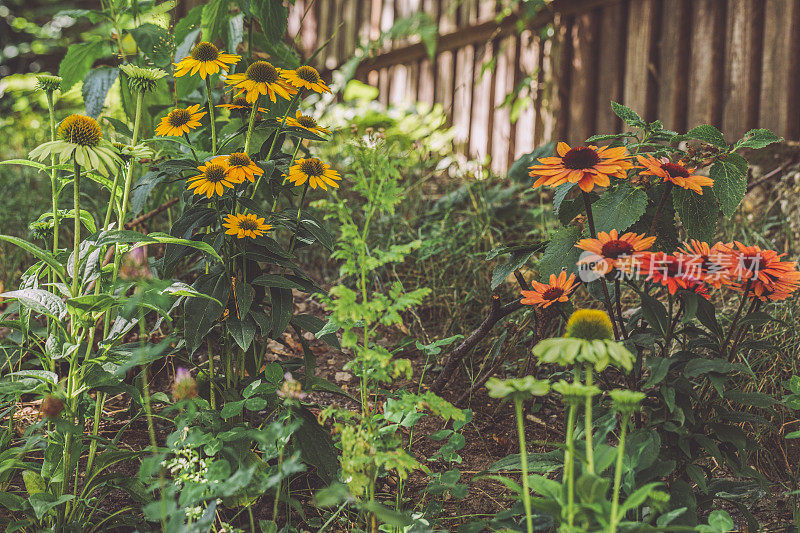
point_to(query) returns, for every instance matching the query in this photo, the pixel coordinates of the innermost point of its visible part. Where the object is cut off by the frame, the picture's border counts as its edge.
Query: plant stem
(76, 240)
(661, 202)
(194, 154)
(617, 297)
(299, 209)
(275, 139)
(587, 417)
(735, 320)
(278, 488)
(569, 464)
(278, 193)
(211, 116)
(523, 457)
(250, 125)
(618, 475)
(53, 172)
(592, 231)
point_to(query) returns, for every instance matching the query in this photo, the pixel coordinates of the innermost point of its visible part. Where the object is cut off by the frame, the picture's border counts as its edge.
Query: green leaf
(12, 502)
(155, 42)
(78, 60)
(699, 213)
(708, 134)
(214, 19)
(231, 409)
(628, 115)
(561, 253)
(202, 313)
(272, 15)
(517, 259)
(235, 32)
(730, 182)
(315, 325)
(315, 445)
(655, 313)
(242, 331)
(619, 208)
(758, 138)
(754, 399)
(37, 252)
(95, 88)
(25, 162)
(282, 305)
(43, 502)
(701, 366)
(40, 301)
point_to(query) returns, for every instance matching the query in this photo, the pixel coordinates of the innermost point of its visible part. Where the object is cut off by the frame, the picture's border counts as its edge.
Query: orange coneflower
(706, 262)
(675, 173)
(671, 272)
(241, 167)
(585, 165)
(180, 121)
(611, 251)
(546, 294)
(762, 270)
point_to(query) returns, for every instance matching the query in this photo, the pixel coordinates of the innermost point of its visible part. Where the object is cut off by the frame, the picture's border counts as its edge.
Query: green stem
(299, 210)
(278, 192)
(212, 399)
(588, 422)
(587, 202)
(211, 116)
(98, 412)
(147, 406)
(53, 172)
(618, 475)
(194, 154)
(569, 464)
(275, 139)
(278, 488)
(735, 320)
(523, 456)
(250, 125)
(76, 240)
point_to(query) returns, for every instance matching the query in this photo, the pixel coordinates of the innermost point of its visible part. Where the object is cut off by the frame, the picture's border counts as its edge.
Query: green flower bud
(48, 83)
(590, 324)
(560, 351)
(142, 80)
(575, 393)
(518, 388)
(626, 401)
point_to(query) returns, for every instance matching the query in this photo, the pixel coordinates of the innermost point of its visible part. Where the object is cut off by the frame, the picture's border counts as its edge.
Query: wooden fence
(731, 63)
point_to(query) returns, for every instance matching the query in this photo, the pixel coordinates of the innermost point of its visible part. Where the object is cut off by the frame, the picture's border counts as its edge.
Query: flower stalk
(618, 474)
(211, 116)
(523, 457)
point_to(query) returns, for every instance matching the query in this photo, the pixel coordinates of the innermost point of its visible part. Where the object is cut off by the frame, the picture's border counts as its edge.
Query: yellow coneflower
(213, 178)
(315, 172)
(245, 226)
(306, 77)
(307, 123)
(81, 137)
(205, 59)
(261, 78)
(241, 167)
(180, 121)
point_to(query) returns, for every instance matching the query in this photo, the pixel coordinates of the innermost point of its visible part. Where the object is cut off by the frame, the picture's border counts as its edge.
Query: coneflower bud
(590, 325)
(51, 407)
(184, 387)
(626, 401)
(48, 83)
(142, 80)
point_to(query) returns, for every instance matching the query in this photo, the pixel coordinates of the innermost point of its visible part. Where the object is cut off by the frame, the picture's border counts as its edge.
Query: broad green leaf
(517, 259)
(78, 61)
(25, 162)
(272, 16)
(202, 313)
(235, 32)
(708, 134)
(619, 208)
(730, 182)
(315, 325)
(315, 445)
(243, 331)
(698, 213)
(561, 253)
(758, 138)
(39, 300)
(282, 305)
(519, 169)
(43, 502)
(155, 42)
(214, 19)
(95, 89)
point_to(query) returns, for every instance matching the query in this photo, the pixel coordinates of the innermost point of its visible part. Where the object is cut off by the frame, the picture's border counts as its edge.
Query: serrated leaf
(698, 213)
(730, 182)
(757, 138)
(272, 15)
(561, 253)
(95, 89)
(235, 32)
(708, 134)
(628, 115)
(619, 208)
(78, 61)
(39, 300)
(155, 42)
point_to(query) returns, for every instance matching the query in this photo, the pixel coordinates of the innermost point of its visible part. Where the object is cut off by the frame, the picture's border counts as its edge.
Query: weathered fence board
(731, 63)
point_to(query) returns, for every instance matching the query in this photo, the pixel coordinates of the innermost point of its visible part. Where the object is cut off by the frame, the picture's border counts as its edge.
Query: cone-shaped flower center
(589, 324)
(581, 158)
(248, 224)
(178, 117)
(553, 293)
(205, 52)
(308, 74)
(214, 173)
(238, 160)
(262, 72)
(81, 130)
(614, 249)
(312, 167)
(307, 122)
(675, 170)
